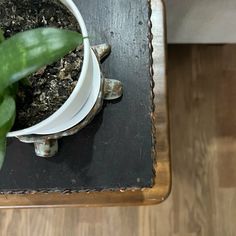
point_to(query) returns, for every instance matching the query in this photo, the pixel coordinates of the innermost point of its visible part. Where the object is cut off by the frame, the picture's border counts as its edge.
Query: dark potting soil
(50, 87)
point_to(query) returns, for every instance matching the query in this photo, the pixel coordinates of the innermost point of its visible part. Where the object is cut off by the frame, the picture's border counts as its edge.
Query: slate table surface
(115, 150)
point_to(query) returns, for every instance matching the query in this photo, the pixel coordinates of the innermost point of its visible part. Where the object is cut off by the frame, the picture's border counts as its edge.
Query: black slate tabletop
(115, 150)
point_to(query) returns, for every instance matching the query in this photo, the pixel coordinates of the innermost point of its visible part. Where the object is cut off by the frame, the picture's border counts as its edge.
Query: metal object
(47, 145)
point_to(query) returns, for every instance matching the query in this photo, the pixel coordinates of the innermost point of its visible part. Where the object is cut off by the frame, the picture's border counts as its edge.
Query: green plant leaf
(7, 114)
(7, 118)
(26, 52)
(1, 36)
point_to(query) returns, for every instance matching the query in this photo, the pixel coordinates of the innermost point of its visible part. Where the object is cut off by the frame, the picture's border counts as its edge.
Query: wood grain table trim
(162, 186)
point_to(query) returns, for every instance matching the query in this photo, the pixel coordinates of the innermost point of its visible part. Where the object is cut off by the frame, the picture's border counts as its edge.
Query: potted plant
(27, 52)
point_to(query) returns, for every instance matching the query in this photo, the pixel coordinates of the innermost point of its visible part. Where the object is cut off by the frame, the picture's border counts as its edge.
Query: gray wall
(201, 21)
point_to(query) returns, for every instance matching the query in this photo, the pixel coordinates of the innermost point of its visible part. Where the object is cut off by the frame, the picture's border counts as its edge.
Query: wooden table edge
(162, 184)
(152, 196)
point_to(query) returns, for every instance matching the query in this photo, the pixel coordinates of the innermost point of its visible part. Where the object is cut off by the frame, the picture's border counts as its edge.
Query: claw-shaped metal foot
(46, 148)
(102, 50)
(113, 89)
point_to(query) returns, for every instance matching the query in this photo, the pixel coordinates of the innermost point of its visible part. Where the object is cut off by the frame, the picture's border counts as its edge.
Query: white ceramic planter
(83, 97)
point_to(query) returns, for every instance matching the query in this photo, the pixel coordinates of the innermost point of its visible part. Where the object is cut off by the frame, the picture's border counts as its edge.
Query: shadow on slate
(114, 151)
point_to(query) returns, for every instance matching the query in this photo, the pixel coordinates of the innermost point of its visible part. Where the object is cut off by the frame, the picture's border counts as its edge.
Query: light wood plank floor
(202, 88)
